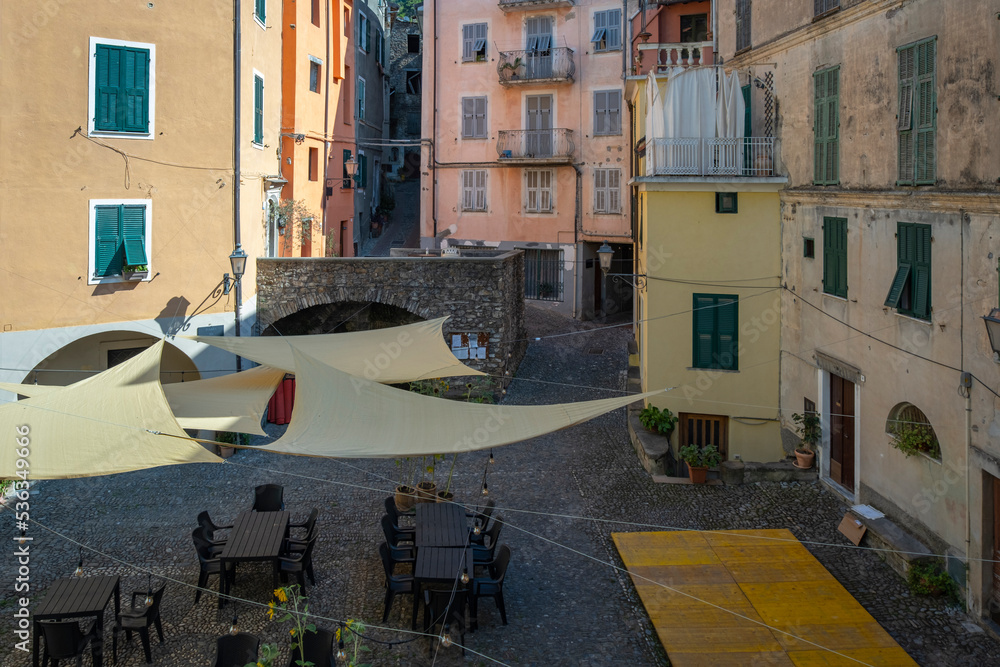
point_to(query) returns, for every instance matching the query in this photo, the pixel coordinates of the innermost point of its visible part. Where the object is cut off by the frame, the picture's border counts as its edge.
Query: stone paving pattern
(568, 601)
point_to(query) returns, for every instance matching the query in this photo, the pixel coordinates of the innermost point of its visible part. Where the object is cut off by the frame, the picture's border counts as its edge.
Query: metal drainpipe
(237, 76)
(434, 193)
(326, 129)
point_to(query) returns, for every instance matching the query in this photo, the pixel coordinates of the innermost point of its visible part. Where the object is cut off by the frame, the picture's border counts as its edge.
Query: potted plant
(225, 439)
(447, 496)
(912, 438)
(512, 66)
(427, 489)
(699, 460)
(808, 427)
(658, 421)
(135, 271)
(405, 493)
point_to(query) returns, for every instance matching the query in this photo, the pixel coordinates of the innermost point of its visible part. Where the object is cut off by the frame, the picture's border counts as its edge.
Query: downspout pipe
(434, 133)
(326, 127)
(237, 91)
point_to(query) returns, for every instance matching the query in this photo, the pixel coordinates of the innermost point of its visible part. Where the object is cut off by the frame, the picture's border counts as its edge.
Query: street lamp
(993, 328)
(604, 255)
(238, 263)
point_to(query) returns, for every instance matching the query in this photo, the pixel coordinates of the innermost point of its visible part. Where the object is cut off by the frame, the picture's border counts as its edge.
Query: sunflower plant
(288, 604)
(350, 633)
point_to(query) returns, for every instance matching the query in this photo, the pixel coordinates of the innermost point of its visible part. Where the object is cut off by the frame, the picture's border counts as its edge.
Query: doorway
(842, 431)
(539, 134)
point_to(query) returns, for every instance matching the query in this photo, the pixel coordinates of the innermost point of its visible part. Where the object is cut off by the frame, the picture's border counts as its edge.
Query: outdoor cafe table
(76, 597)
(441, 525)
(440, 565)
(255, 536)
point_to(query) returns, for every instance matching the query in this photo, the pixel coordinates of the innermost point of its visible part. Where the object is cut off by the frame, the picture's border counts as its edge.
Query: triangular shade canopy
(338, 415)
(116, 421)
(398, 354)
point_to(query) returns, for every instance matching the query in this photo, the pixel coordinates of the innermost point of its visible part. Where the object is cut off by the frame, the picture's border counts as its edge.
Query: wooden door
(842, 431)
(539, 117)
(996, 542)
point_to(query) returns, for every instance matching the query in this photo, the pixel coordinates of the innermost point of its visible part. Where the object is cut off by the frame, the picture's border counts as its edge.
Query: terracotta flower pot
(426, 492)
(445, 496)
(697, 474)
(405, 498)
(804, 458)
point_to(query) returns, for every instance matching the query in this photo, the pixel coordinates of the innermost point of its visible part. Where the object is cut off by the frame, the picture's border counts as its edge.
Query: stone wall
(483, 294)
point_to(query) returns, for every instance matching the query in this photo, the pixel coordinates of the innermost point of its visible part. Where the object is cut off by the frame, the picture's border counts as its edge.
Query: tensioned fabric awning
(116, 421)
(398, 354)
(367, 419)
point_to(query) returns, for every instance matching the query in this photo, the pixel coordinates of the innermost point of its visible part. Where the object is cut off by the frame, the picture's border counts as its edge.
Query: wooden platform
(690, 581)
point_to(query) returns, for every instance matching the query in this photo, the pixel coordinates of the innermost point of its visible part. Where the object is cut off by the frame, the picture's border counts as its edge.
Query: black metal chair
(491, 586)
(64, 640)
(299, 564)
(445, 607)
(205, 521)
(397, 553)
(396, 515)
(209, 562)
(269, 498)
(236, 650)
(308, 525)
(139, 617)
(395, 584)
(318, 649)
(487, 551)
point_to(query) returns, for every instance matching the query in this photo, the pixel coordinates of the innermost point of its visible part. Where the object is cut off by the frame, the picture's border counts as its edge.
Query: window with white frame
(607, 112)
(119, 236)
(364, 32)
(474, 118)
(538, 190)
(607, 191)
(474, 190)
(122, 88)
(607, 30)
(474, 42)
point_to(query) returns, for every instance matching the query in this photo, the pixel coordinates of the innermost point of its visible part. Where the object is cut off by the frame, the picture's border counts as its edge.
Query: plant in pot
(427, 489)
(658, 421)
(447, 496)
(808, 427)
(135, 271)
(699, 460)
(914, 438)
(405, 493)
(512, 67)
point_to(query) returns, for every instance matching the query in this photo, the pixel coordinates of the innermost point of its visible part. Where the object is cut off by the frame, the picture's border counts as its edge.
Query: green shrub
(930, 579)
(658, 421)
(912, 439)
(700, 457)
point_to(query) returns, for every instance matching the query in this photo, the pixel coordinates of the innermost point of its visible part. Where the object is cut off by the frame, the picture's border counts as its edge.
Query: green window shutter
(829, 279)
(134, 92)
(107, 246)
(835, 256)
(363, 171)
(925, 108)
(904, 119)
(819, 123)
(106, 95)
(258, 110)
(826, 127)
(260, 9)
(922, 271)
(727, 327)
(134, 234)
(704, 330)
(898, 281)
(715, 329)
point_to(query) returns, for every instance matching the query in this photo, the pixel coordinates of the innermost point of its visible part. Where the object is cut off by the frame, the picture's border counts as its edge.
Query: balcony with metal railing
(725, 156)
(519, 5)
(554, 65)
(536, 146)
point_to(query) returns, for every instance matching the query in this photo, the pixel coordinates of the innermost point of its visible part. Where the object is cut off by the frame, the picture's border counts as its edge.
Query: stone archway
(341, 317)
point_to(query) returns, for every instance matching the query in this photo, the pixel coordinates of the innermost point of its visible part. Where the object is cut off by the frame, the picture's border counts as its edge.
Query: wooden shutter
(468, 39)
(107, 246)
(904, 262)
(600, 191)
(480, 189)
(479, 117)
(134, 234)
(468, 187)
(926, 121)
(363, 171)
(704, 330)
(468, 117)
(614, 123)
(727, 326)
(613, 25)
(260, 9)
(904, 120)
(921, 235)
(835, 256)
(600, 30)
(108, 74)
(743, 8)
(600, 112)
(823, 6)
(819, 124)
(545, 191)
(258, 110)
(479, 43)
(531, 31)
(832, 118)
(614, 190)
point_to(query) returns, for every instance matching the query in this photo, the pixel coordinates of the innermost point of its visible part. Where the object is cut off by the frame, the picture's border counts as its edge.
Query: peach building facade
(529, 147)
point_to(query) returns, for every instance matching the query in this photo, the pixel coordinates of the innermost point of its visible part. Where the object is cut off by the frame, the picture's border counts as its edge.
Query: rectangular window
(361, 98)
(538, 40)
(378, 50)
(260, 11)
(716, 322)
(826, 127)
(607, 191)
(910, 292)
(313, 164)
(362, 171)
(119, 237)
(727, 202)
(607, 30)
(412, 82)
(413, 122)
(347, 95)
(824, 6)
(121, 95)
(607, 112)
(315, 12)
(743, 8)
(474, 42)
(694, 28)
(315, 74)
(258, 109)
(413, 43)
(538, 191)
(474, 190)
(809, 248)
(835, 256)
(364, 32)
(474, 118)
(916, 122)
(543, 274)
(348, 181)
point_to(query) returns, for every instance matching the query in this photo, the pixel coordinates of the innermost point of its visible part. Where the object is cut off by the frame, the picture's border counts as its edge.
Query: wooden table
(441, 525)
(255, 536)
(78, 597)
(440, 565)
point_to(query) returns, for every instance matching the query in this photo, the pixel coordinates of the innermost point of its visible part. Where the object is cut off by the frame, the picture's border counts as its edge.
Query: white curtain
(728, 154)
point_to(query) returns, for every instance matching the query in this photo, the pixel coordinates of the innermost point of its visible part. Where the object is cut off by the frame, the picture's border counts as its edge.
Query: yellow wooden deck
(777, 583)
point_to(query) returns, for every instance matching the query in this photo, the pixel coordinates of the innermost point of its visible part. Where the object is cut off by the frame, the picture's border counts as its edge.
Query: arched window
(911, 431)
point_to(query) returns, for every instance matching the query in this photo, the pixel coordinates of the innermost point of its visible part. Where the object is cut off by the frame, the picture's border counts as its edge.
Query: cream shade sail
(398, 354)
(339, 415)
(234, 402)
(116, 421)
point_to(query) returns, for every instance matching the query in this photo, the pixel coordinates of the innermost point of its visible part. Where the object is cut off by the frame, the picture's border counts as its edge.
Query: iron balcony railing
(527, 66)
(736, 156)
(513, 5)
(543, 145)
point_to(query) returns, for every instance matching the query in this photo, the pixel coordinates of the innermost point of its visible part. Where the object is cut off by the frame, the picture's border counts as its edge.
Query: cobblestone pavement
(562, 495)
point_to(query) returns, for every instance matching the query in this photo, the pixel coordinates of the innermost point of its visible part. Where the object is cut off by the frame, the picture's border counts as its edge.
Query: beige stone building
(884, 114)
(120, 184)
